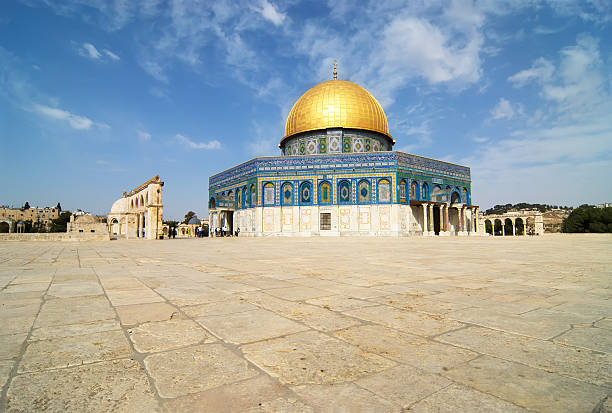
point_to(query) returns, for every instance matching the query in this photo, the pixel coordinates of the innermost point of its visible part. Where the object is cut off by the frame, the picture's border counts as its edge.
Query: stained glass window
(364, 192)
(268, 195)
(344, 192)
(306, 193)
(287, 193)
(325, 193)
(384, 191)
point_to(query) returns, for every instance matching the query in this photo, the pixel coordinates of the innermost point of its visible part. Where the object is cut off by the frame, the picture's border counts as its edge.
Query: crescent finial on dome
(335, 71)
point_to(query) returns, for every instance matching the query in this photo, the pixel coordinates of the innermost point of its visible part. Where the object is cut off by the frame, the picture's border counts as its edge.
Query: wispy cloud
(75, 121)
(144, 136)
(188, 143)
(111, 54)
(572, 143)
(90, 51)
(504, 110)
(270, 13)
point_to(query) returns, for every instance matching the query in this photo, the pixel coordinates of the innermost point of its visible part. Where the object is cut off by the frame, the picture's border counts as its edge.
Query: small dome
(194, 221)
(120, 206)
(336, 104)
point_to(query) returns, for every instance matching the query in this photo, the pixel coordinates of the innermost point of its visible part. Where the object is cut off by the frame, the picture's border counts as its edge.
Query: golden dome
(336, 104)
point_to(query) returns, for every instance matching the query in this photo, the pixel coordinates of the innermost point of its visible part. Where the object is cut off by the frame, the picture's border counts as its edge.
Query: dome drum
(335, 140)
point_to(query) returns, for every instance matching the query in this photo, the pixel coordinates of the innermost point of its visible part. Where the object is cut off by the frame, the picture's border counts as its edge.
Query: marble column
(446, 223)
(431, 220)
(460, 218)
(442, 218)
(425, 224)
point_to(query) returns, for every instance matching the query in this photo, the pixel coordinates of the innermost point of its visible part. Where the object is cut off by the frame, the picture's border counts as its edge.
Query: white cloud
(503, 110)
(144, 136)
(188, 143)
(111, 54)
(541, 71)
(75, 121)
(269, 12)
(89, 50)
(564, 156)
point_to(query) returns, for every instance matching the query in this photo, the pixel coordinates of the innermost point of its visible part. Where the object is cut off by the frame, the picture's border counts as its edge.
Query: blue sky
(98, 96)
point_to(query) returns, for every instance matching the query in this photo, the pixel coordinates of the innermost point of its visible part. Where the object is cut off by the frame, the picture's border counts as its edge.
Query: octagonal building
(339, 175)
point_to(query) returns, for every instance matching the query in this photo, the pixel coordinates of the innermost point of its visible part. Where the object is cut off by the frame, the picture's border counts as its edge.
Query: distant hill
(502, 209)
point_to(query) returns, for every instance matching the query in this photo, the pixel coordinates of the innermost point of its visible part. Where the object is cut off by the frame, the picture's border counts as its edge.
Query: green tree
(59, 207)
(26, 206)
(188, 216)
(587, 218)
(60, 224)
(171, 224)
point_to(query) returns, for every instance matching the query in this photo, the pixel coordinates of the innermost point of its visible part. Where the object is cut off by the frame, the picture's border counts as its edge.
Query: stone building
(87, 223)
(338, 175)
(9, 217)
(138, 213)
(512, 223)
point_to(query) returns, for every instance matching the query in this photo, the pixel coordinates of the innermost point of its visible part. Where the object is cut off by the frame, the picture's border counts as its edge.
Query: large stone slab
(598, 339)
(142, 313)
(249, 326)
(528, 387)
(313, 357)
(230, 306)
(458, 398)
(46, 333)
(74, 351)
(313, 316)
(406, 348)
(10, 345)
(74, 310)
(298, 293)
(403, 385)
(196, 369)
(64, 290)
(133, 296)
(6, 366)
(410, 322)
(117, 386)
(167, 335)
(581, 364)
(244, 395)
(346, 397)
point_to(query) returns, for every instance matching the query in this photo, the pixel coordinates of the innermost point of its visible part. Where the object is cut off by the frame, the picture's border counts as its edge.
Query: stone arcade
(338, 175)
(138, 214)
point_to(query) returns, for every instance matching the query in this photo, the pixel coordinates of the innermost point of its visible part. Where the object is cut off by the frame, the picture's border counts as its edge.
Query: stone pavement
(307, 324)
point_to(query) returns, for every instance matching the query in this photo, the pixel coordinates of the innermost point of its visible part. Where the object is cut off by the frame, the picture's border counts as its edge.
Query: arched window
(465, 196)
(363, 191)
(245, 197)
(384, 191)
(305, 193)
(268, 193)
(414, 190)
(344, 192)
(402, 190)
(425, 192)
(253, 198)
(455, 198)
(287, 194)
(212, 203)
(436, 194)
(325, 194)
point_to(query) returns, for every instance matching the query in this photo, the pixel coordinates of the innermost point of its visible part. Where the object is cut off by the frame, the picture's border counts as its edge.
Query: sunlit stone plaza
(509, 324)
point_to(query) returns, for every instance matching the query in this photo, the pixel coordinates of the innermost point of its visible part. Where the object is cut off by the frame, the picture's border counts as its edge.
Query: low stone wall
(57, 236)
